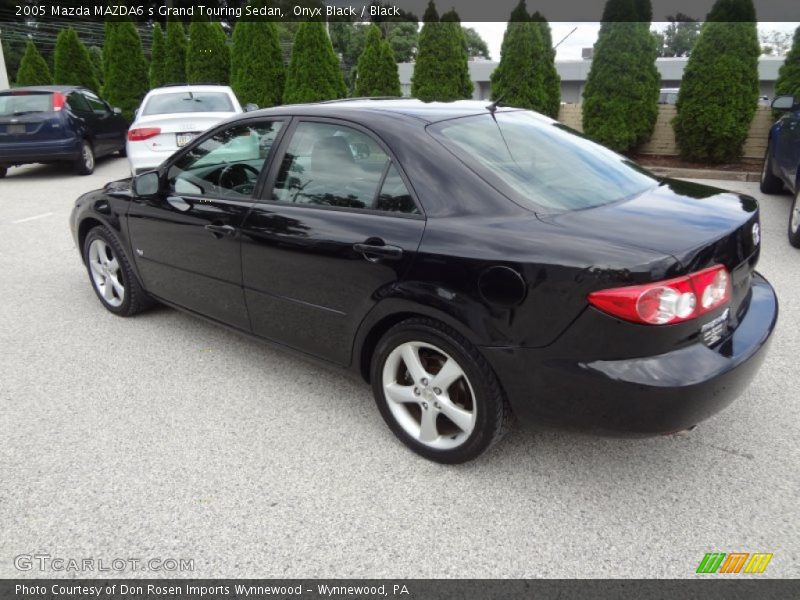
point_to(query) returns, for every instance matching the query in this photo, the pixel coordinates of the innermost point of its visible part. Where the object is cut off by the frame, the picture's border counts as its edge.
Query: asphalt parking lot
(165, 437)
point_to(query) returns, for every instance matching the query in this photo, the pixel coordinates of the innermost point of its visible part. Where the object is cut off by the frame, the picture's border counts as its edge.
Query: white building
(574, 73)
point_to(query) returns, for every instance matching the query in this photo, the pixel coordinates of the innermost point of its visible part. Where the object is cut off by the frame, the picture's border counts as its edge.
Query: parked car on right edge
(782, 160)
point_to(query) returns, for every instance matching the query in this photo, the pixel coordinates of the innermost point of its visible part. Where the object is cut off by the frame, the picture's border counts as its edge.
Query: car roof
(45, 88)
(195, 87)
(428, 112)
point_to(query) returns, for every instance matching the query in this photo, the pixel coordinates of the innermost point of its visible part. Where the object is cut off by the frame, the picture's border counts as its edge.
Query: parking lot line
(26, 219)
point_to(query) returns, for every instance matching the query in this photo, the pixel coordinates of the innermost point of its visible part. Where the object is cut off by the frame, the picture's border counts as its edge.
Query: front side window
(539, 163)
(98, 106)
(335, 165)
(188, 102)
(227, 164)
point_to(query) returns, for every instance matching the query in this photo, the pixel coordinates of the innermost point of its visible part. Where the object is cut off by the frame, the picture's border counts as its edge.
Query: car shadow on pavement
(54, 171)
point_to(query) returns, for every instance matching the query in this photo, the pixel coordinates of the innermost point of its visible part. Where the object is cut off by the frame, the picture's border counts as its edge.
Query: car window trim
(164, 170)
(275, 167)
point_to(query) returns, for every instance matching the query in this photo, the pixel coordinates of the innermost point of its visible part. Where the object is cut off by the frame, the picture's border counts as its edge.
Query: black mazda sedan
(467, 261)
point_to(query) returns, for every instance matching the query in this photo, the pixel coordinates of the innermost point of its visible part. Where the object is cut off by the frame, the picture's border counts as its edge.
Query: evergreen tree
(33, 69)
(175, 53)
(377, 69)
(208, 58)
(546, 63)
(314, 72)
(257, 71)
(460, 56)
(719, 91)
(126, 80)
(620, 102)
(72, 64)
(788, 82)
(439, 70)
(96, 55)
(157, 57)
(516, 80)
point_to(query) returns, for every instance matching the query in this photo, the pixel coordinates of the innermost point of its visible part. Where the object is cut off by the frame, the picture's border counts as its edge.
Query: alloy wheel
(429, 395)
(106, 274)
(794, 222)
(88, 156)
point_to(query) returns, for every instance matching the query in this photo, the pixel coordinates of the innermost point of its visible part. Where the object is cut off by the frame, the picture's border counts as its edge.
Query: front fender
(107, 207)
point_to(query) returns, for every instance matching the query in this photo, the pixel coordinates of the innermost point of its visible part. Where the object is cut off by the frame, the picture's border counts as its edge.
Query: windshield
(188, 102)
(540, 163)
(20, 104)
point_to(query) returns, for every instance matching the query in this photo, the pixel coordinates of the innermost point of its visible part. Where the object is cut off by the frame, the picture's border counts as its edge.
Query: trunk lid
(172, 126)
(699, 226)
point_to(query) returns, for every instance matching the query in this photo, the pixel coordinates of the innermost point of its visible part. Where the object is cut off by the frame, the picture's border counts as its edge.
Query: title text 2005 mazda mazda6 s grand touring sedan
(466, 260)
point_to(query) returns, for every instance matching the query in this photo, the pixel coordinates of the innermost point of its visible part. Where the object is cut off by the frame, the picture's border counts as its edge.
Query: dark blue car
(782, 161)
(46, 124)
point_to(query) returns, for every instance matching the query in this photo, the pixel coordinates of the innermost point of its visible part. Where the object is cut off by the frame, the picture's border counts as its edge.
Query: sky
(584, 36)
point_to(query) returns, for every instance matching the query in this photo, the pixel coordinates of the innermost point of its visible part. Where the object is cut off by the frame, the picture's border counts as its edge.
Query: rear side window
(22, 103)
(541, 163)
(188, 102)
(78, 103)
(335, 165)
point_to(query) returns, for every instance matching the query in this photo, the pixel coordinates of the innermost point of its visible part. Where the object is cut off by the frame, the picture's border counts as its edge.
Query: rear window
(188, 102)
(16, 104)
(540, 163)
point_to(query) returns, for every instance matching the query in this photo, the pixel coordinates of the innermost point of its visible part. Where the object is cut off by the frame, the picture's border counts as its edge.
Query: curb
(705, 174)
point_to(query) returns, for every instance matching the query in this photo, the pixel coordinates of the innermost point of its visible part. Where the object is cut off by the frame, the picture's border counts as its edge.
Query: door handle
(374, 253)
(220, 230)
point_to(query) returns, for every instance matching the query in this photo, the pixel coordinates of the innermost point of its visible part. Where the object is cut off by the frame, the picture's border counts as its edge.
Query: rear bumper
(13, 153)
(648, 395)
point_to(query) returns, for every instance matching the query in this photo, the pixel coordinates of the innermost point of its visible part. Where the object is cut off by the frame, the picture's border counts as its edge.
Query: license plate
(181, 139)
(15, 129)
(713, 331)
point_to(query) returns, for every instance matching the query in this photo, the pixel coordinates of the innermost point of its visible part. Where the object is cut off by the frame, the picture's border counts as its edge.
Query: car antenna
(493, 106)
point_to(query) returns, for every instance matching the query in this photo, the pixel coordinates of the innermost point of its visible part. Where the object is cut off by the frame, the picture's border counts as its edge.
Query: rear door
(186, 241)
(788, 152)
(336, 227)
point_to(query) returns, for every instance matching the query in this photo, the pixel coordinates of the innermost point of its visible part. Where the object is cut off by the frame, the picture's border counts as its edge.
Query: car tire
(3, 171)
(122, 152)
(111, 275)
(449, 423)
(770, 184)
(84, 164)
(794, 220)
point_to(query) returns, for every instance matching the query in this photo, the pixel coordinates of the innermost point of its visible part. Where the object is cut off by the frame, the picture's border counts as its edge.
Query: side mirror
(784, 103)
(146, 184)
(250, 107)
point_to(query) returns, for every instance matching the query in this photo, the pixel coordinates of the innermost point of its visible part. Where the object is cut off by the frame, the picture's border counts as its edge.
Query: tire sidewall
(100, 233)
(486, 402)
(794, 236)
(82, 169)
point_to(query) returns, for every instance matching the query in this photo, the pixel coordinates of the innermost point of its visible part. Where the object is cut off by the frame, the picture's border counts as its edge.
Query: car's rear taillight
(667, 302)
(142, 133)
(59, 100)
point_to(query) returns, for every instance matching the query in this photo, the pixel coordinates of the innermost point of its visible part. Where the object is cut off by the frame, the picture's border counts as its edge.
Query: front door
(335, 229)
(186, 241)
